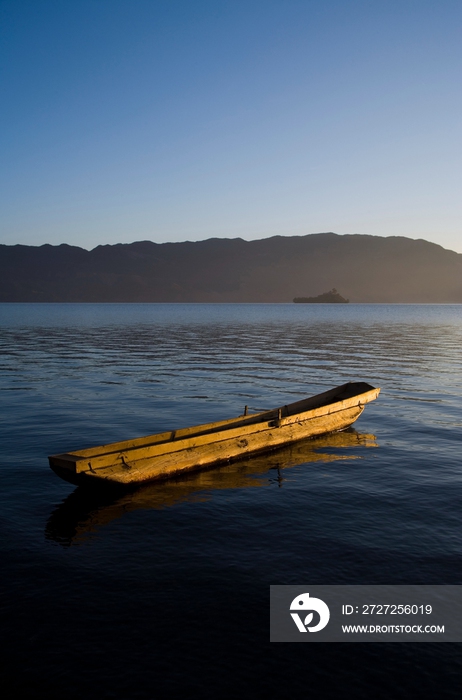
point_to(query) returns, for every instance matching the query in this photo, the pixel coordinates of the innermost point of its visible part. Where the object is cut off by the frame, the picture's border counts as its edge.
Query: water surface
(168, 587)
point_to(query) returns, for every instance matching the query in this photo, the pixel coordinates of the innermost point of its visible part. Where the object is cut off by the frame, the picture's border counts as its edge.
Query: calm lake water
(166, 590)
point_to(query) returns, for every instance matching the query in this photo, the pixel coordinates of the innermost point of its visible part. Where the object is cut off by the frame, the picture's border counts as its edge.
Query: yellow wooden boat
(167, 454)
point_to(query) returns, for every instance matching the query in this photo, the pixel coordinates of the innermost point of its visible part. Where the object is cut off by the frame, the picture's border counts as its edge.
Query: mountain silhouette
(277, 269)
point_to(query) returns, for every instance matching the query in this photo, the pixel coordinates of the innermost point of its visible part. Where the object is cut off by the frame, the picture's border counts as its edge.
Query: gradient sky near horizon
(173, 120)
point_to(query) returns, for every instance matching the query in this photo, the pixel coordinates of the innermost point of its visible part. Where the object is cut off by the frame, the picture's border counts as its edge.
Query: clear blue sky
(174, 120)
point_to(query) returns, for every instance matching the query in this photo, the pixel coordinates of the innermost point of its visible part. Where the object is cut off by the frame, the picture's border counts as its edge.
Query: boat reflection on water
(84, 511)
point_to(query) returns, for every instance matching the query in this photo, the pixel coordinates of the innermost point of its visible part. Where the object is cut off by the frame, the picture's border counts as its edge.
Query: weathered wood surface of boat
(167, 454)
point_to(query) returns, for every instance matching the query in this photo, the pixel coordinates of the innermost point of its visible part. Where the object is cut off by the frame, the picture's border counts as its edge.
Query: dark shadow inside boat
(85, 510)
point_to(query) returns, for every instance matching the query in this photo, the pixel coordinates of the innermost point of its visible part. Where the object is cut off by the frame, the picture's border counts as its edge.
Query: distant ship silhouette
(332, 297)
